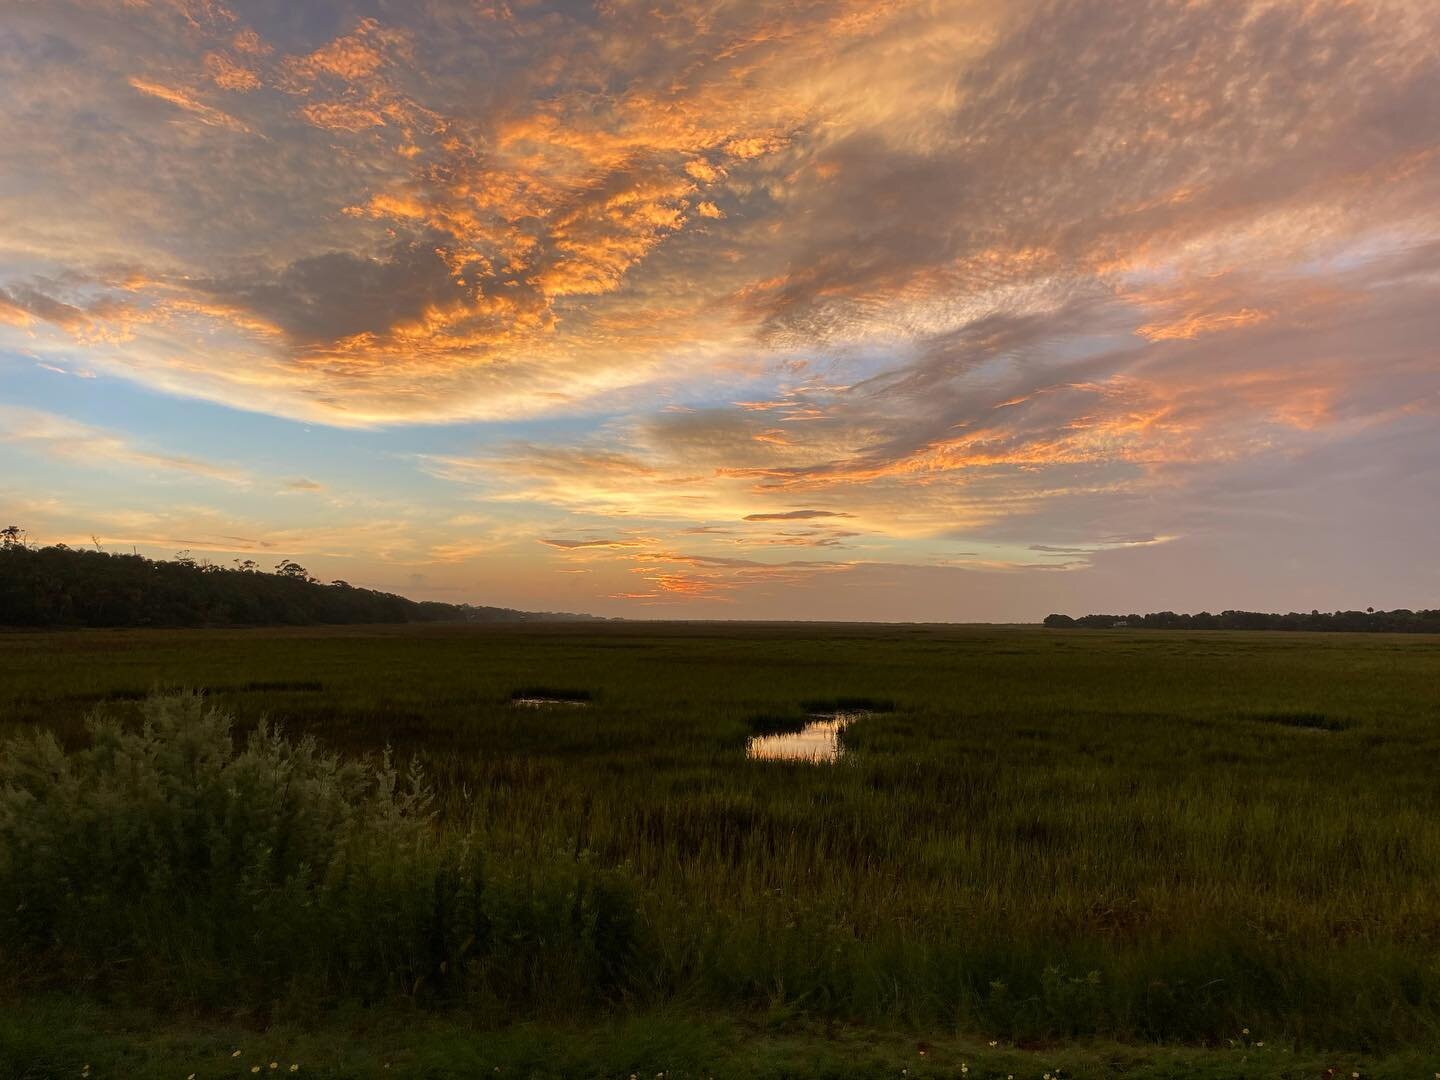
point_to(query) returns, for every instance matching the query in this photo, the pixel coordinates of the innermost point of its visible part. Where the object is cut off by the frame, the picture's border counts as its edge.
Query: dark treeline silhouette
(65, 586)
(1399, 621)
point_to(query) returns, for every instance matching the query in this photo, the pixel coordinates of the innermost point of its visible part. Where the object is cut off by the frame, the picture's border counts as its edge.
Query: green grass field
(1137, 853)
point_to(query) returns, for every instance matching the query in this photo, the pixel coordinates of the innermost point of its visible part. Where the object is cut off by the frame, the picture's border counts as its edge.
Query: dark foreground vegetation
(64, 586)
(1199, 854)
(1399, 621)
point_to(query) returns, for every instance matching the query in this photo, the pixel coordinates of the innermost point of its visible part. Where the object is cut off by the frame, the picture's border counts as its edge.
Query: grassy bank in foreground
(58, 1038)
(1042, 838)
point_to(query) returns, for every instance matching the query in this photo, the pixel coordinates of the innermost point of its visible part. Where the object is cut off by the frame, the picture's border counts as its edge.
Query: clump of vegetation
(169, 857)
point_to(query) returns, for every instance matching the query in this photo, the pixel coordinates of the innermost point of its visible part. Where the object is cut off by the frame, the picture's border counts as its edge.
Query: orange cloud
(342, 116)
(1194, 324)
(228, 75)
(206, 114)
(352, 57)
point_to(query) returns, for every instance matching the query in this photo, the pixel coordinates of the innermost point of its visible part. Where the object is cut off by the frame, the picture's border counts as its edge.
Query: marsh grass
(1052, 835)
(167, 859)
(831, 706)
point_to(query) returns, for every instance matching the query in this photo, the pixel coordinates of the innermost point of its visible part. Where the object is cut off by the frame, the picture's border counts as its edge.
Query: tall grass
(1050, 835)
(166, 859)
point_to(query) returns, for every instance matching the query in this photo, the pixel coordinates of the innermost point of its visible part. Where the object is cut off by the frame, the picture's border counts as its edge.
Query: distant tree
(288, 568)
(59, 586)
(1401, 620)
(340, 583)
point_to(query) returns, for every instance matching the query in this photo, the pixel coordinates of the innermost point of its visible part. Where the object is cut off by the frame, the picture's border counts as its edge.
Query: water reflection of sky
(818, 741)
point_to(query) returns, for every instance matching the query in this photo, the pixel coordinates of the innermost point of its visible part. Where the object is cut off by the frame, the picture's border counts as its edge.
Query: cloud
(674, 577)
(452, 235)
(574, 545)
(797, 515)
(228, 74)
(448, 249)
(339, 297)
(60, 437)
(181, 99)
(985, 277)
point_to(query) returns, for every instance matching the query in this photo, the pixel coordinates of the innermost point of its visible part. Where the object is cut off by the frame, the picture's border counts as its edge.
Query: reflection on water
(818, 741)
(545, 702)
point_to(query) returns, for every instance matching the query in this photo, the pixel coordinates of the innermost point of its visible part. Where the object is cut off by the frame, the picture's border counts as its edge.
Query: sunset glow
(861, 309)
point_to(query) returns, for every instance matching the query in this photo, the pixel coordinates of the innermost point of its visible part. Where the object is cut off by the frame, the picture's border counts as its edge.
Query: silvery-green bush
(168, 857)
(175, 807)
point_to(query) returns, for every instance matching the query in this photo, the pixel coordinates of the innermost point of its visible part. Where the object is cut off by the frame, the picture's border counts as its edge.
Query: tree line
(58, 585)
(1399, 621)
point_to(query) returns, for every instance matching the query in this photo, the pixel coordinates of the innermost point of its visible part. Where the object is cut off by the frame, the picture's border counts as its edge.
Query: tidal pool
(818, 741)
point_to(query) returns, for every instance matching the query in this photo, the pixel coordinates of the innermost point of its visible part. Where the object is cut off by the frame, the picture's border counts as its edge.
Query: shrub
(169, 859)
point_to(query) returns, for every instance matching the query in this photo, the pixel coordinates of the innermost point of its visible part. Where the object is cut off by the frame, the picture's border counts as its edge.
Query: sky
(929, 310)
